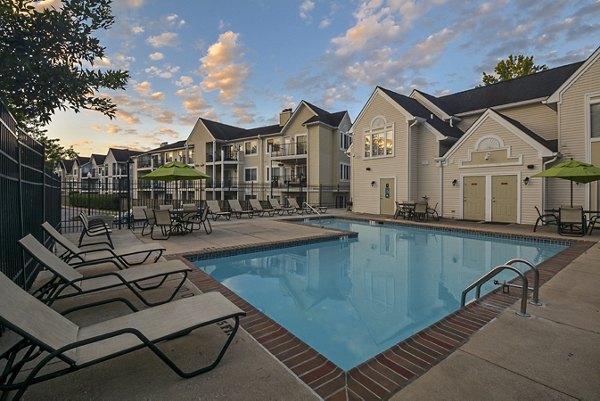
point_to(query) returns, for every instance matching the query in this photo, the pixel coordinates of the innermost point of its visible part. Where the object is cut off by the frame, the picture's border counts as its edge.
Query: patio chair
(68, 282)
(300, 210)
(433, 213)
(237, 211)
(162, 220)
(571, 221)
(76, 256)
(200, 219)
(150, 221)
(281, 209)
(94, 228)
(138, 215)
(258, 209)
(545, 219)
(49, 338)
(592, 223)
(420, 211)
(165, 207)
(215, 210)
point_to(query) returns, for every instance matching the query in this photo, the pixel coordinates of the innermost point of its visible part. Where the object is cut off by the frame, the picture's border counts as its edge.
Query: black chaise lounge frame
(43, 346)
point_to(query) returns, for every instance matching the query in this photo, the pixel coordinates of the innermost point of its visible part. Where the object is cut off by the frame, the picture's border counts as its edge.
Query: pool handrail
(535, 298)
(492, 273)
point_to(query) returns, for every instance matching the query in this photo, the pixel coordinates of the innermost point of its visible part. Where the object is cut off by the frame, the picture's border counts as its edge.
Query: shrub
(95, 201)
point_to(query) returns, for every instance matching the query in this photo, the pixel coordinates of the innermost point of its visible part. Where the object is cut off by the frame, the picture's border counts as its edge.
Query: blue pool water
(353, 299)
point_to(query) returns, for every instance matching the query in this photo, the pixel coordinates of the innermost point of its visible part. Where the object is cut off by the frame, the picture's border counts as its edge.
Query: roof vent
(431, 116)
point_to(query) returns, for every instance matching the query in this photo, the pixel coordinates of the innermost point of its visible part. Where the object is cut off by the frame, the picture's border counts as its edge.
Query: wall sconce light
(454, 182)
(487, 156)
(526, 180)
(368, 168)
(373, 183)
(531, 166)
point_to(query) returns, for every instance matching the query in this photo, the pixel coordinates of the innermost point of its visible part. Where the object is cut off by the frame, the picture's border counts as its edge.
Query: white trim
(341, 179)
(376, 91)
(496, 137)
(251, 168)
(589, 99)
(541, 149)
(438, 135)
(556, 97)
(418, 96)
(370, 132)
(257, 147)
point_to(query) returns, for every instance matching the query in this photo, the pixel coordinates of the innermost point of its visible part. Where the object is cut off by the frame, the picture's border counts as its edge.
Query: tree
(47, 62)
(513, 67)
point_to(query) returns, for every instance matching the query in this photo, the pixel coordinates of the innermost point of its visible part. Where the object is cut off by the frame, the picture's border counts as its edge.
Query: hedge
(96, 201)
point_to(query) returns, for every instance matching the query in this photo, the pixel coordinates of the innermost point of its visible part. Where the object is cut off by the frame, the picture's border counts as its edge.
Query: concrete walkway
(555, 354)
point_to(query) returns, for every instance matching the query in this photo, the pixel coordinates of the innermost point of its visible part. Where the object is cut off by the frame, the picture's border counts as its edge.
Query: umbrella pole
(571, 193)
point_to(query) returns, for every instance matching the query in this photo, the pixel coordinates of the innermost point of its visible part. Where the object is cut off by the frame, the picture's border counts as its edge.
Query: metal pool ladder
(312, 208)
(524, 287)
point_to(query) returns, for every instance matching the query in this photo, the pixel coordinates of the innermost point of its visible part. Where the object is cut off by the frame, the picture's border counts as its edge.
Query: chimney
(284, 116)
(163, 144)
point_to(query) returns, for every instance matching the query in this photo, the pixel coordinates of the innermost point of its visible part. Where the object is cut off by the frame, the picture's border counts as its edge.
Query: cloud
(167, 72)
(141, 87)
(428, 52)
(305, 8)
(173, 20)
(223, 68)
(184, 81)
(324, 23)
(165, 39)
(157, 96)
(165, 117)
(112, 129)
(96, 127)
(169, 132)
(156, 56)
(45, 4)
(128, 117)
(118, 61)
(136, 29)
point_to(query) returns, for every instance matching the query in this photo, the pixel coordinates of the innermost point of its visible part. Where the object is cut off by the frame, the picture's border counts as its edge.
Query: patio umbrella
(175, 171)
(574, 171)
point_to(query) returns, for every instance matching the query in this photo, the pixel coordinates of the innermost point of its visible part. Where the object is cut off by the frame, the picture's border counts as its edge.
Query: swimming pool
(352, 299)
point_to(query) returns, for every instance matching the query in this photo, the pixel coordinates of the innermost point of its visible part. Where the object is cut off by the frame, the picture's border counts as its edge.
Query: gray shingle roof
(226, 132)
(122, 155)
(99, 159)
(174, 145)
(323, 116)
(541, 84)
(418, 110)
(68, 164)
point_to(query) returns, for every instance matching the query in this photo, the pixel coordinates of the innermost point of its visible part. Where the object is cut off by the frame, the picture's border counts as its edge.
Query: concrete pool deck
(552, 355)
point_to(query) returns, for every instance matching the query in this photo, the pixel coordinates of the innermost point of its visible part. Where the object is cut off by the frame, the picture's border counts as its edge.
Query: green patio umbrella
(175, 171)
(574, 171)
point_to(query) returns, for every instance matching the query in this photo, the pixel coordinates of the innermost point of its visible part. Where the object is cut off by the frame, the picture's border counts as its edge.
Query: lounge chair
(571, 221)
(215, 210)
(94, 228)
(259, 210)
(76, 256)
(433, 213)
(165, 207)
(67, 282)
(545, 219)
(48, 337)
(300, 210)
(237, 211)
(281, 209)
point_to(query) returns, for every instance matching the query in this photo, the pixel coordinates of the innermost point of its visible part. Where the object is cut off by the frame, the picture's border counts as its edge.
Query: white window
(595, 118)
(273, 145)
(345, 140)
(251, 147)
(250, 174)
(344, 172)
(379, 142)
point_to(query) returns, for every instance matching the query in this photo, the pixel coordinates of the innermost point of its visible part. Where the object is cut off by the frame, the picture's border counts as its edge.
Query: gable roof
(418, 110)
(83, 160)
(98, 159)
(539, 85)
(68, 164)
(174, 145)
(122, 155)
(226, 132)
(323, 116)
(550, 144)
(555, 97)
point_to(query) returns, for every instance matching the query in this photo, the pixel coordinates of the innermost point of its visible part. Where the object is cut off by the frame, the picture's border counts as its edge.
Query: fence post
(129, 194)
(20, 197)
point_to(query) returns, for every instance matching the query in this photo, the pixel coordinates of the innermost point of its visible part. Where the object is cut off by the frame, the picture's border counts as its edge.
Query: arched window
(489, 143)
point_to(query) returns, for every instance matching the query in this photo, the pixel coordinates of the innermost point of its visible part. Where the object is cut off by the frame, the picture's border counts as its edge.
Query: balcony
(291, 149)
(227, 156)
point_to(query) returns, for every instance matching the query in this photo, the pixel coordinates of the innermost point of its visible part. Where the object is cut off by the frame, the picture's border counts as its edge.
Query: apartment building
(474, 153)
(303, 156)
(148, 192)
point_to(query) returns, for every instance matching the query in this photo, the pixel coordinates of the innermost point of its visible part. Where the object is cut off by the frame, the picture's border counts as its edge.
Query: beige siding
(539, 118)
(465, 123)
(572, 126)
(531, 194)
(365, 196)
(427, 173)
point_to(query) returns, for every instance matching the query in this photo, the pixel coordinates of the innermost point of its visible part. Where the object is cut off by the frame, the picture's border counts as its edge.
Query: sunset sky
(241, 61)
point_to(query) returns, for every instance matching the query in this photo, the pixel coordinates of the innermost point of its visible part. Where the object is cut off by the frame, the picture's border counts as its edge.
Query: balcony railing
(291, 149)
(226, 156)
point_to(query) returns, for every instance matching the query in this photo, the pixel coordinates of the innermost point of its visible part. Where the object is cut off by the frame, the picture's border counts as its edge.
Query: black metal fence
(91, 196)
(29, 195)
